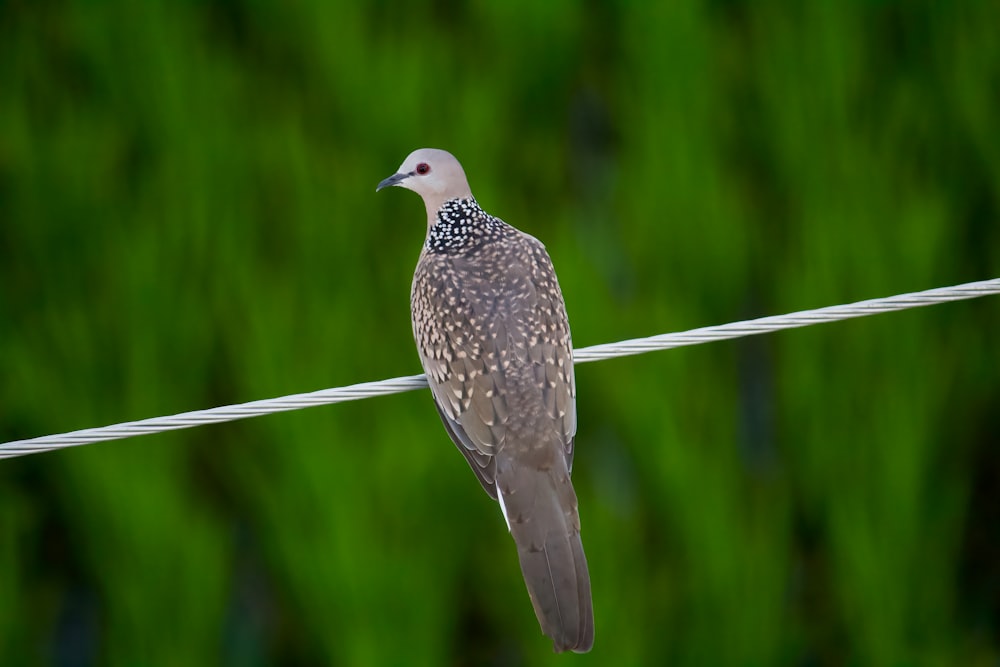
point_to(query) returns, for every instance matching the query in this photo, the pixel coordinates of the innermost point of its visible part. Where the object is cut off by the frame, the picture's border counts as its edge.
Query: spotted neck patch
(461, 225)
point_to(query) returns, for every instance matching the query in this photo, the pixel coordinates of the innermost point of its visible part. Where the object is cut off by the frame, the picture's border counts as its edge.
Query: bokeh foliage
(188, 218)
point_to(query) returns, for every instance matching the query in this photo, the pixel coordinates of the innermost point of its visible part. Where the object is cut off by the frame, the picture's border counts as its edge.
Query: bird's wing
(467, 385)
(483, 465)
(553, 355)
(457, 338)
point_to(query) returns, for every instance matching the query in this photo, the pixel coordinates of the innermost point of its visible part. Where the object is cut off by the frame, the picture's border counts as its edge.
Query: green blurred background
(188, 219)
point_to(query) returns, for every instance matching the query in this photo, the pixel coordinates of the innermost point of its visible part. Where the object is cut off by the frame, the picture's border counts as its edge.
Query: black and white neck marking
(461, 225)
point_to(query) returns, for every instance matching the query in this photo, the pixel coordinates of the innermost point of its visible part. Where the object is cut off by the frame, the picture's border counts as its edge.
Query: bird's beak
(395, 179)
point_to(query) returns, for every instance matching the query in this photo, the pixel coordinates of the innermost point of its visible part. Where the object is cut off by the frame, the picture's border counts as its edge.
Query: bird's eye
(423, 168)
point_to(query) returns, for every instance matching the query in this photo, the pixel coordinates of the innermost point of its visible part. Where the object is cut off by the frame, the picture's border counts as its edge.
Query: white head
(433, 174)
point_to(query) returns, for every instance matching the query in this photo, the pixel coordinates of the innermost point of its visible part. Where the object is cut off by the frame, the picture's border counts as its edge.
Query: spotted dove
(491, 330)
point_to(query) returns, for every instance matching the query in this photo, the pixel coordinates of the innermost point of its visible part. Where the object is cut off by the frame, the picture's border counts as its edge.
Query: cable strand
(624, 348)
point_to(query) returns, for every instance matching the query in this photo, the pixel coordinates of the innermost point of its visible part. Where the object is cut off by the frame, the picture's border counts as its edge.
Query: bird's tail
(541, 511)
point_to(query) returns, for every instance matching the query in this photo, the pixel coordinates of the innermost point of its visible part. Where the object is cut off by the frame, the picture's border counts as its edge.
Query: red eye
(423, 168)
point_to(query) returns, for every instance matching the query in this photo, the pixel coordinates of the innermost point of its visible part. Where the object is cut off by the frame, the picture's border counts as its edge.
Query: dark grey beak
(395, 179)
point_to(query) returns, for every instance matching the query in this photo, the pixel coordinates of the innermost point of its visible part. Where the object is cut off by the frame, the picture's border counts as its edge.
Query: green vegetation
(188, 219)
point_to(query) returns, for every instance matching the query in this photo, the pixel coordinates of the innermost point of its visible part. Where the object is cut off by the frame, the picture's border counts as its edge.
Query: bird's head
(433, 174)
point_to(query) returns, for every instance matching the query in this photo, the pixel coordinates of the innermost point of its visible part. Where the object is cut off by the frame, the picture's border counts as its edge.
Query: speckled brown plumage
(494, 340)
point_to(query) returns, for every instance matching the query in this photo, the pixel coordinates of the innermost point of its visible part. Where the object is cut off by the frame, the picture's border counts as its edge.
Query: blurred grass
(187, 219)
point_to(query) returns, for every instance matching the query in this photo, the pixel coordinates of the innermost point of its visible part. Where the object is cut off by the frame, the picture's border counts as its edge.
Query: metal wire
(595, 353)
(802, 318)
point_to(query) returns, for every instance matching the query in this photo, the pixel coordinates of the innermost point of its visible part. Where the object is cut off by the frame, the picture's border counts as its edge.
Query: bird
(491, 330)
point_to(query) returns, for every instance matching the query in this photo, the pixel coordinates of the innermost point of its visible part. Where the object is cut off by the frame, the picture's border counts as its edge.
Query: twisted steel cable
(594, 353)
